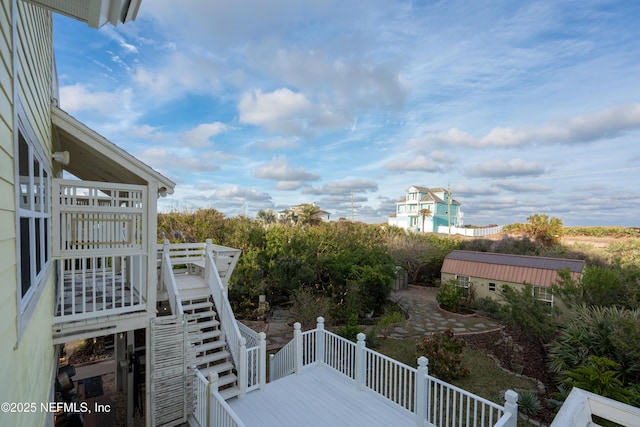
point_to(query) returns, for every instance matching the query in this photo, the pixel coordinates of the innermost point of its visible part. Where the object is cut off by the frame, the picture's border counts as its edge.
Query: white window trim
(26, 305)
(547, 292)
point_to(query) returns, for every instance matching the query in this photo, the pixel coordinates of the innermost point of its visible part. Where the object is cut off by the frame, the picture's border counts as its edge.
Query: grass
(485, 378)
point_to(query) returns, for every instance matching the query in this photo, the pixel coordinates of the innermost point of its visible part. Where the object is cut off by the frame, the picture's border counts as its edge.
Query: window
(34, 252)
(543, 295)
(492, 287)
(464, 283)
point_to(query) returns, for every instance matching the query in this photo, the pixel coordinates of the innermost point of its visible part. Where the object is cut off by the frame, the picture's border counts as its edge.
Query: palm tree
(266, 217)
(308, 214)
(424, 213)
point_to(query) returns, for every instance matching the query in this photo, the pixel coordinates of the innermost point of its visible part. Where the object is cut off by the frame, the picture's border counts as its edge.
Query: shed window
(492, 287)
(543, 295)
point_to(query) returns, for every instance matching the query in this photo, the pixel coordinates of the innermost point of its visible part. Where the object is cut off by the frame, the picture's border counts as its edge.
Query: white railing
(247, 348)
(249, 335)
(91, 286)
(431, 400)
(211, 410)
(391, 379)
(283, 362)
(223, 307)
(170, 284)
(581, 406)
(449, 405)
(96, 218)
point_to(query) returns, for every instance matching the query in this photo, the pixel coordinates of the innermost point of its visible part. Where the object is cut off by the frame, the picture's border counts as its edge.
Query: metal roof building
(537, 271)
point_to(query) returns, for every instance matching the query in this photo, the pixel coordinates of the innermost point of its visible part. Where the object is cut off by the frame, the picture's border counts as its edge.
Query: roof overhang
(95, 13)
(94, 158)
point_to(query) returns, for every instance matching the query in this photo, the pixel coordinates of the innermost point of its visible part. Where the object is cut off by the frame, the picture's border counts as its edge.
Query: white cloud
(344, 187)
(604, 124)
(172, 160)
(278, 110)
(275, 144)
(419, 162)
(201, 135)
(179, 74)
(288, 185)
(279, 170)
(500, 169)
(235, 192)
(79, 98)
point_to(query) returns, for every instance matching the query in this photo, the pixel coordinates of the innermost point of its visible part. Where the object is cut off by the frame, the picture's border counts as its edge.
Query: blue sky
(522, 107)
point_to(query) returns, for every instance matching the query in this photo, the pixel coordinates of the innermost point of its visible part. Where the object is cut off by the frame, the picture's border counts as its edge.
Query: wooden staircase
(210, 347)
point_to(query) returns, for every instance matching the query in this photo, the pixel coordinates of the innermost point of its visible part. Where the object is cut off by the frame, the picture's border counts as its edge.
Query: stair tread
(226, 379)
(197, 306)
(220, 367)
(208, 324)
(230, 392)
(210, 334)
(212, 357)
(210, 346)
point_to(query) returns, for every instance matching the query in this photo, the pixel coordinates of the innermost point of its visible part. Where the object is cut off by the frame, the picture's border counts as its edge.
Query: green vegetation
(602, 231)
(343, 271)
(444, 351)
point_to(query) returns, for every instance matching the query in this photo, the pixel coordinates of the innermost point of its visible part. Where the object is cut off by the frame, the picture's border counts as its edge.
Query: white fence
(433, 401)
(471, 232)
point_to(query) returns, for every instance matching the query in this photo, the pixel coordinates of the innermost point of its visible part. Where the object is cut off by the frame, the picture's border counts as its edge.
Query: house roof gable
(95, 158)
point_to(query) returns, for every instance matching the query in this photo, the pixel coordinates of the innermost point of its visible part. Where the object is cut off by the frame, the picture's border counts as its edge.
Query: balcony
(100, 247)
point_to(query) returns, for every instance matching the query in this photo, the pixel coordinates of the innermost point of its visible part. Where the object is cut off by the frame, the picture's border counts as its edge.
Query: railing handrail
(465, 392)
(228, 417)
(171, 285)
(225, 312)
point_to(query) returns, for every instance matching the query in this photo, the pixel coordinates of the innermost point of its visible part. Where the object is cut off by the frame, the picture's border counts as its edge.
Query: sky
(521, 107)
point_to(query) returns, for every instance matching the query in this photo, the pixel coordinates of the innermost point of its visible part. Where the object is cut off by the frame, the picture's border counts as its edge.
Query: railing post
(262, 359)
(272, 366)
(213, 386)
(208, 249)
(297, 347)
(360, 361)
(422, 391)
(511, 406)
(320, 341)
(242, 368)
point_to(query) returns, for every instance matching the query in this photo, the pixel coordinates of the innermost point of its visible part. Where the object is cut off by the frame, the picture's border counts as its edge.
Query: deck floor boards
(318, 397)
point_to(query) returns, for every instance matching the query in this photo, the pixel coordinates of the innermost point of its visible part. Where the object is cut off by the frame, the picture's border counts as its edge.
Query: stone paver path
(419, 303)
(426, 317)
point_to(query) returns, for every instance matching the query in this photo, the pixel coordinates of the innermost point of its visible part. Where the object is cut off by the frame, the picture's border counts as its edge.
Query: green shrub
(307, 306)
(528, 403)
(391, 317)
(444, 351)
(450, 295)
(351, 330)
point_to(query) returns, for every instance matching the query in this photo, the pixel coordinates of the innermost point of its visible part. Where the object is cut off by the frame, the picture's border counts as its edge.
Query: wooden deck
(190, 285)
(320, 397)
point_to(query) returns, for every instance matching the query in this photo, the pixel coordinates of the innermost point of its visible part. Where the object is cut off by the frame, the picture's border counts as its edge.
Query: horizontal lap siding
(28, 365)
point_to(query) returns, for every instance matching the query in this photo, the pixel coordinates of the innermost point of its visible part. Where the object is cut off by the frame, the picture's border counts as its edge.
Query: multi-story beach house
(79, 260)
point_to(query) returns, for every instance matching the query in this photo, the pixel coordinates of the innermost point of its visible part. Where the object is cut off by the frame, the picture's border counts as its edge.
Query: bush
(450, 295)
(528, 403)
(351, 330)
(306, 306)
(444, 351)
